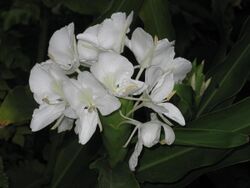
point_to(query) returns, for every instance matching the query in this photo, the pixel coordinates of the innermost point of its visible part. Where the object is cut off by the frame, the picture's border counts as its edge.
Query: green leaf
(228, 77)
(87, 7)
(115, 134)
(17, 106)
(118, 177)
(209, 138)
(170, 164)
(71, 168)
(239, 155)
(157, 20)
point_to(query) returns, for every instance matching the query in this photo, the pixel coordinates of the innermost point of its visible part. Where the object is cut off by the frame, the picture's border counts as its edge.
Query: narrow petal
(86, 125)
(181, 68)
(133, 161)
(141, 44)
(169, 134)
(45, 115)
(163, 88)
(150, 133)
(173, 113)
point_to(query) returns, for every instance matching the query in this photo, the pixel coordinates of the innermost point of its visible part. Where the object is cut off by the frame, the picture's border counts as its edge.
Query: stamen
(58, 122)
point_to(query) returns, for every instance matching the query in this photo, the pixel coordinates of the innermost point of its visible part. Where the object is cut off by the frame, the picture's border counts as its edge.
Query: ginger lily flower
(62, 49)
(110, 35)
(148, 136)
(46, 83)
(86, 96)
(114, 72)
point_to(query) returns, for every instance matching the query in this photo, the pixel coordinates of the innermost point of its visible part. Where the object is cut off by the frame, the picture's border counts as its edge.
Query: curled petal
(169, 134)
(87, 52)
(133, 160)
(45, 115)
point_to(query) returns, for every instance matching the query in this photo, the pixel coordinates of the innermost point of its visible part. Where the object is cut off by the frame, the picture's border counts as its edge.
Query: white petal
(66, 124)
(141, 44)
(90, 35)
(112, 33)
(40, 83)
(169, 134)
(129, 86)
(163, 88)
(107, 104)
(88, 81)
(163, 54)
(72, 94)
(86, 125)
(45, 115)
(181, 68)
(62, 48)
(150, 133)
(87, 52)
(133, 161)
(173, 113)
(152, 75)
(111, 69)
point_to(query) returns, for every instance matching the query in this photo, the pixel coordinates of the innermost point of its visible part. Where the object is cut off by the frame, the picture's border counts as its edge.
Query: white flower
(148, 136)
(62, 49)
(46, 83)
(85, 95)
(114, 72)
(157, 54)
(110, 35)
(159, 92)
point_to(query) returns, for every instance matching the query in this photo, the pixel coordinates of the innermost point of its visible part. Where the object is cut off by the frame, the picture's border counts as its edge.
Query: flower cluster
(70, 96)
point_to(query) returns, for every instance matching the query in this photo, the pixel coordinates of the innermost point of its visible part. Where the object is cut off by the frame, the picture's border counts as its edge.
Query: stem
(139, 73)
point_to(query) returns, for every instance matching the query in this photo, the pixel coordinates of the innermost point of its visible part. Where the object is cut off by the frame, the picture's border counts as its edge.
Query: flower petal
(45, 114)
(111, 69)
(150, 133)
(86, 125)
(163, 88)
(87, 52)
(133, 160)
(62, 48)
(173, 113)
(66, 124)
(40, 82)
(141, 44)
(181, 68)
(169, 134)
(152, 75)
(90, 35)
(112, 33)
(107, 104)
